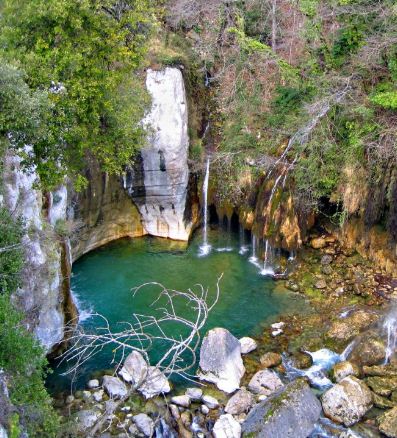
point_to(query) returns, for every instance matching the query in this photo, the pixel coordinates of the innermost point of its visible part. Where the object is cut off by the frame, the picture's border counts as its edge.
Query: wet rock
(347, 401)
(155, 383)
(247, 345)
(289, 413)
(388, 423)
(318, 243)
(210, 402)
(195, 394)
(320, 284)
(278, 325)
(382, 385)
(144, 424)
(326, 259)
(86, 419)
(382, 402)
(349, 327)
(389, 370)
(220, 360)
(370, 351)
(181, 400)
(302, 360)
(344, 369)
(92, 384)
(114, 387)
(265, 382)
(226, 427)
(269, 360)
(135, 368)
(240, 403)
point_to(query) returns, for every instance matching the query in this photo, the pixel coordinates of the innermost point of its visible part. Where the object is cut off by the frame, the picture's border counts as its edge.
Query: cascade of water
(254, 259)
(267, 263)
(243, 247)
(205, 248)
(390, 327)
(274, 189)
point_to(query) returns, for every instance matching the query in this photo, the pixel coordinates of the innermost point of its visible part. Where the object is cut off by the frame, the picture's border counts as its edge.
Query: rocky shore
(332, 372)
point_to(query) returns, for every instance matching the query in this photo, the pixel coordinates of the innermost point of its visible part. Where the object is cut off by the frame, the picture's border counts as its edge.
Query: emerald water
(102, 282)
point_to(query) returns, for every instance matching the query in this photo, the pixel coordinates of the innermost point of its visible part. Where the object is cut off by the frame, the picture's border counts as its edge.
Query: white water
(83, 310)
(243, 247)
(205, 248)
(267, 263)
(254, 259)
(390, 329)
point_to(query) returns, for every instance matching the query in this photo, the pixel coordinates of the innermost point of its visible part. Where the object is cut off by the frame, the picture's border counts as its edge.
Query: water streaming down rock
(205, 247)
(268, 269)
(243, 247)
(159, 186)
(253, 259)
(390, 329)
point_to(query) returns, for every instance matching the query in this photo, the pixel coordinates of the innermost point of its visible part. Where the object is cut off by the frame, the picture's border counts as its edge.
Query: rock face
(44, 294)
(265, 382)
(226, 427)
(220, 360)
(388, 423)
(290, 413)
(159, 188)
(347, 401)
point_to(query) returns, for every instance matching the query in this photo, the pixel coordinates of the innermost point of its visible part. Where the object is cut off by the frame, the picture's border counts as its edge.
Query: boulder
(144, 424)
(204, 409)
(370, 351)
(86, 419)
(247, 345)
(382, 402)
(291, 412)
(265, 382)
(220, 360)
(387, 423)
(240, 403)
(349, 327)
(134, 369)
(155, 383)
(382, 385)
(114, 387)
(344, 369)
(92, 384)
(226, 427)
(181, 400)
(269, 360)
(318, 243)
(389, 370)
(302, 360)
(195, 394)
(347, 401)
(210, 402)
(98, 395)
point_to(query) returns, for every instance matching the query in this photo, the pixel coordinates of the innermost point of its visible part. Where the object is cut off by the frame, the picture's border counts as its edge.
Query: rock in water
(134, 369)
(227, 427)
(220, 360)
(114, 387)
(291, 412)
(155, 383)
(144, 423)
(347, 401)
(388, 423)
(159, 189)
(344, 369)
(247, 345)
(265, 382)
(240, 403)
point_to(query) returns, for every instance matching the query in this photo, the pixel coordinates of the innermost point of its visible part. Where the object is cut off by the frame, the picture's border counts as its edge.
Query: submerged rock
(226, 427)
(134, 369)
(240, 403)
(388, 423)
(144, 423)
(220, 360)
(155, 383)
(265, 382)
(347, 401)
(114, 387)
(289, 413)
(247, 345)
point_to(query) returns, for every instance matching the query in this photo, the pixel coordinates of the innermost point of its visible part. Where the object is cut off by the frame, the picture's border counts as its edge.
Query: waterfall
(267, 263)
(243, 247)
(205, 248)
(390, 327)
(254, 259)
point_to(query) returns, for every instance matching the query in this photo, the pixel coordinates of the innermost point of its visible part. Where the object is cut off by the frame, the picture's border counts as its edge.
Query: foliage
(78, 58)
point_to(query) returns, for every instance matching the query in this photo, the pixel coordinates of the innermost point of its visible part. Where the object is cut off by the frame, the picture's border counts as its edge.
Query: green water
(102, 281)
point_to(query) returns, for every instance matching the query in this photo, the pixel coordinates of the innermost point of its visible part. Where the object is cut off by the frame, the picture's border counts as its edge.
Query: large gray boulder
(220, 360)
(289, 413)
(265, 382)
(114, 387)
(155, 383)
(347, 401)
(134, 369)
